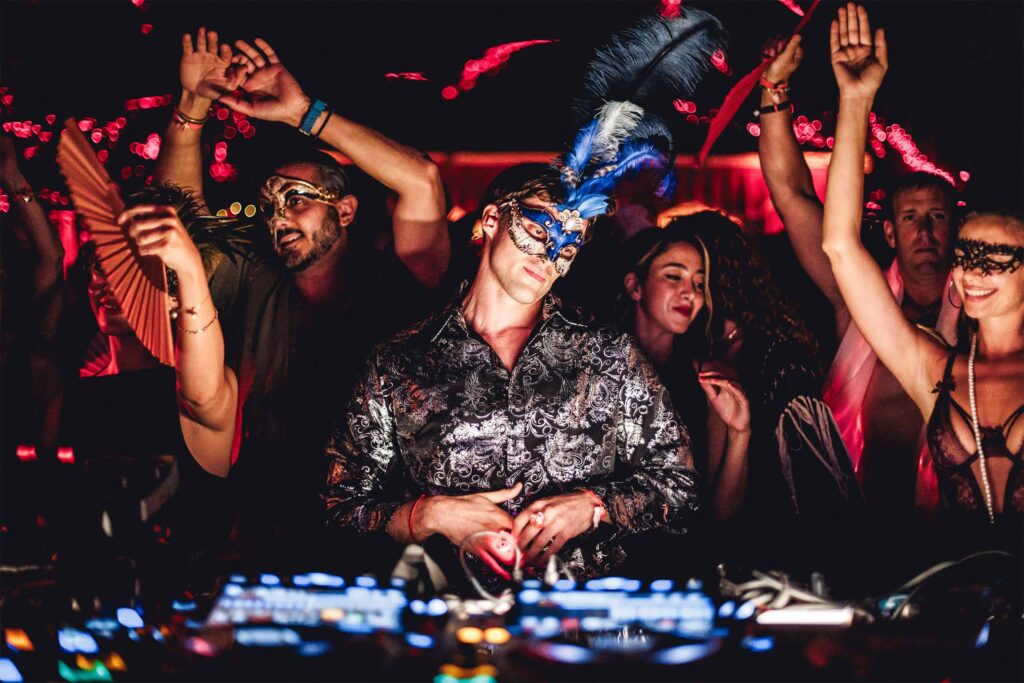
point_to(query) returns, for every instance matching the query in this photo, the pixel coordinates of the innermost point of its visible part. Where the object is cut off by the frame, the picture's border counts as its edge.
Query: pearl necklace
(986, 486)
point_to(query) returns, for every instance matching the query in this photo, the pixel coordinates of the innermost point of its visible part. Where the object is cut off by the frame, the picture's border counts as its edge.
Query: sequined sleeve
(659, 489)
(363, 453)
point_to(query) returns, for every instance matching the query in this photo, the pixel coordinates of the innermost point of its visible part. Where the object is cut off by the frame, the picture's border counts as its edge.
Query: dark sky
(955, 80)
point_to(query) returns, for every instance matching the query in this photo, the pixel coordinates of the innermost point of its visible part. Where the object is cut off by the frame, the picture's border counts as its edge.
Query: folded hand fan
(139, 283)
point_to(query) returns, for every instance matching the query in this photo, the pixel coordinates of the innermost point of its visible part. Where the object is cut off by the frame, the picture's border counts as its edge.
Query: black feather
(651, 63)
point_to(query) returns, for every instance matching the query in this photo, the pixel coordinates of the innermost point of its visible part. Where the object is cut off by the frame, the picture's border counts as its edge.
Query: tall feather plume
(658, 59)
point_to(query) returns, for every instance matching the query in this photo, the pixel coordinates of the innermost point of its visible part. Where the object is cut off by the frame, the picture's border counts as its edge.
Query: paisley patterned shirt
(437, 412)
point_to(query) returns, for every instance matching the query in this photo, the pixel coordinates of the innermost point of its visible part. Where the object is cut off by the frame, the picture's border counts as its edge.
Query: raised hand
(271, 92)
(158, 231)
(563, 517)
(726, 398)
(787, 59)
(858, 63)
(459, 517)
(206, 69)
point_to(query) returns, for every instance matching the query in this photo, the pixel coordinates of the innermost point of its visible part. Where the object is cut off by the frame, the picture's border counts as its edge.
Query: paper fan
(139, 283)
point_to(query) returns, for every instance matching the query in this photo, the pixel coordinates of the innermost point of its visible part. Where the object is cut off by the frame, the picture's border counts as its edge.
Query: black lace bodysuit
(958, 486)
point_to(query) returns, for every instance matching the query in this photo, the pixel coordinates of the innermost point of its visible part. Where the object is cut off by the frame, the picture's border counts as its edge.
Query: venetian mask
(554, 235)
(282, 192)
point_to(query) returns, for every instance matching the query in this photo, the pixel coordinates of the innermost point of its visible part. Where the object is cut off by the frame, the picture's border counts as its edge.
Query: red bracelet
(411, 513)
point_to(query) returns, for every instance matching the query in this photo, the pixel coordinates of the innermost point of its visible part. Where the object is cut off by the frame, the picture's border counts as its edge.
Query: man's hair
(919, 180)
(525, 180)
(329, 172)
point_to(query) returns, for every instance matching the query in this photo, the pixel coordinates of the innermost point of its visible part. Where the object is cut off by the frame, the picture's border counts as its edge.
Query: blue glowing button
(418, 607)
(564, 585)
(662, 585)
(317, 649)
(104, 625)
(758, 643)
(183, 605)
(727, 609)
(565, 653)
(270, 579)
(529, 596)
(73, 640)
(266, 637)
(129, 618)
(366, 582)
(8, 672)
(237, 578)
(436, 607)
(684, 654)
(746, 610)
(419, 640)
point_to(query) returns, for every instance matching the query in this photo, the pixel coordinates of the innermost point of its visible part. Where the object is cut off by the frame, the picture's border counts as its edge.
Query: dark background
(955, 80)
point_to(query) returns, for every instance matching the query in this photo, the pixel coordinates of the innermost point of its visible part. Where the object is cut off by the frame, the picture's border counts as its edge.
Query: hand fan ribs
(139, 283)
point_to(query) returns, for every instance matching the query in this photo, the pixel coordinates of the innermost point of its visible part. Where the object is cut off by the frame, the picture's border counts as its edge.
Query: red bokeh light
(66, 455)
(26, 453)
(449, 92)
(146, 29)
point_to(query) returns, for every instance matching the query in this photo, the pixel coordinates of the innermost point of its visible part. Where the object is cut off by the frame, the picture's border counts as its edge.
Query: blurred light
(265, 579)
(129, 618)
(407, 76)
(9, 672)
(146, 29)
(18, 640)
(436, 607)
(102, 155)
(719, 61)
(449, 92)
(235, 209)
(982, 639)
(223, 114)
(250, 210)
(470, 635)
(965, 176)
(456, 213)
(662, 585)
(66, 455)
(497, 636)
(419, 640)
(26, 453)
(754, 129)
(682, 654)
(961, 202)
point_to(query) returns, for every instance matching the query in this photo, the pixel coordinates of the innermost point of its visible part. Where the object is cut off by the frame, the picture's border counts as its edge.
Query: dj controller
(317, 625)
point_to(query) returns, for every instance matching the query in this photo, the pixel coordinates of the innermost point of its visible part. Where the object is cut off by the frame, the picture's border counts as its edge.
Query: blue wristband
(312, 115)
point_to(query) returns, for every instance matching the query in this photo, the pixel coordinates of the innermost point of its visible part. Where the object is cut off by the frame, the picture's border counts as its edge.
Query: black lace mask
(987, 257)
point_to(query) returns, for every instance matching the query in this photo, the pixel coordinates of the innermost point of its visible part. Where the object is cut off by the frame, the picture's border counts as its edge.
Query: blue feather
(582, 150)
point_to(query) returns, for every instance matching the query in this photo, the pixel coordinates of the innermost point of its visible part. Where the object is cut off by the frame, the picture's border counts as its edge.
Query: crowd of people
(337, 397)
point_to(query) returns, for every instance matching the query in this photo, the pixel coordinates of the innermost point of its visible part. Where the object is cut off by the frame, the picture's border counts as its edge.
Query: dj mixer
(317, 626)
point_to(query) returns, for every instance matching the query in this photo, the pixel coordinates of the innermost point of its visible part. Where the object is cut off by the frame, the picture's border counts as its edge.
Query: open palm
(206, 68)
(270, 93)
(858, 62)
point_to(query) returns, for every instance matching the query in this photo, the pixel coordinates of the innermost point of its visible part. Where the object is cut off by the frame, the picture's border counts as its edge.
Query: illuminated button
(18, 640)
(129, 618)
(436, 607)
(332, 614)
(8, 672)
(469, 634)
(497, 636)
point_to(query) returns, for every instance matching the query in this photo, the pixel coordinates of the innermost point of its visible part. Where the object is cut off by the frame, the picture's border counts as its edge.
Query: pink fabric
(847, 384)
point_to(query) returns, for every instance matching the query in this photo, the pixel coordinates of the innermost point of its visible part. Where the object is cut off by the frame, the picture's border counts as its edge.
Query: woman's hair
(640, 251)
(740, 284)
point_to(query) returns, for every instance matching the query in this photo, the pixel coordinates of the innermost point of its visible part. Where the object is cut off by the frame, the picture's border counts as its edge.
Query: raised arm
(206, 72)
(26, 210)
(913, 357)
(420, 230)
(789, 180)
(207, 388)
